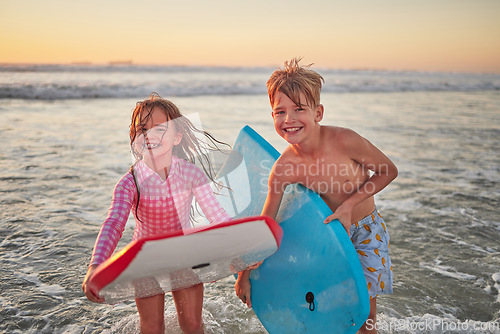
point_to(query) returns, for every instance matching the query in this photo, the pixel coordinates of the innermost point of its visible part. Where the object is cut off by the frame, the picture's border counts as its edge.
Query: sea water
(64, 135)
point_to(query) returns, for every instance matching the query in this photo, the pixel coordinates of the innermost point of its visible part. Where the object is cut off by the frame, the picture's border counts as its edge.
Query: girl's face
(158, 135)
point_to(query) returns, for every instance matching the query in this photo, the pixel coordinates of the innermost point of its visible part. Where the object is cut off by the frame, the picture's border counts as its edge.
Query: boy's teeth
(292, 129)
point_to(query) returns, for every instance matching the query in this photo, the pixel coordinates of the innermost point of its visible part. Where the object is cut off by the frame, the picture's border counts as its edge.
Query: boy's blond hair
(293, 80)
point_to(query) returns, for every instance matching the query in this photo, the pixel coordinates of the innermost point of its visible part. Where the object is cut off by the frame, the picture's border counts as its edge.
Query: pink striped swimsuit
(164, 205)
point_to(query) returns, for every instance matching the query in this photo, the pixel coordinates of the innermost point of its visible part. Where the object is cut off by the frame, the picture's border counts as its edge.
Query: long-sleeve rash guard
(164, 205)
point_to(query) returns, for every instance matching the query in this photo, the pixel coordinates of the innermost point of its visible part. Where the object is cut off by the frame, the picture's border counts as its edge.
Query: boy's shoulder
(339, 135)
(341, 139)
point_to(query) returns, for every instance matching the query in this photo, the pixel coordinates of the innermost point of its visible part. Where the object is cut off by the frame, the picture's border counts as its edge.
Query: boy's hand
(343, 215)
(255, 266)
(243, 287)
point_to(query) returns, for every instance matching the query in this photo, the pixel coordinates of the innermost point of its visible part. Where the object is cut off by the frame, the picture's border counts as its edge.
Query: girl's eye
(156, 129)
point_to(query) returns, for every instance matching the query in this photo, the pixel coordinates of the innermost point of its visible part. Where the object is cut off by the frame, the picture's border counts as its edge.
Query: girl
(159, 189)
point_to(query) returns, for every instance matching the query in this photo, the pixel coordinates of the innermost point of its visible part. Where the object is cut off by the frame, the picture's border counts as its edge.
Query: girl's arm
(209, 204)
(111, 230)
(113, 226)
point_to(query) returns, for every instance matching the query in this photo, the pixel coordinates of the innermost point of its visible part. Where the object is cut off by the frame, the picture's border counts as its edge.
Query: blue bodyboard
(314, 283)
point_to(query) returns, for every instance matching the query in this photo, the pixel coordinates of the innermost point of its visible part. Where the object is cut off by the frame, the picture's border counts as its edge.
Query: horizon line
(131, 63)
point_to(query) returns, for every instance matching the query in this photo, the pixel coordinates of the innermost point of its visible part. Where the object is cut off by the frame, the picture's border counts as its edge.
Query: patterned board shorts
(371, 241)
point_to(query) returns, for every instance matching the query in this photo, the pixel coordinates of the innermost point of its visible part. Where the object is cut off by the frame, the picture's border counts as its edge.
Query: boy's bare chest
(330, 177)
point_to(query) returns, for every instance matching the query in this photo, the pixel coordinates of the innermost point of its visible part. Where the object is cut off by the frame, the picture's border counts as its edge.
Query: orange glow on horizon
(444, 36)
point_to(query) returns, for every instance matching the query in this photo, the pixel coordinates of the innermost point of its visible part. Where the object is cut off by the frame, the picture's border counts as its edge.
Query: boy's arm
(273, 199)
(275, 192)
(369, 157)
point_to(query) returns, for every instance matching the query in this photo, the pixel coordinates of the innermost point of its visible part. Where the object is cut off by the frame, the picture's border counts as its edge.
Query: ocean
(64, 133)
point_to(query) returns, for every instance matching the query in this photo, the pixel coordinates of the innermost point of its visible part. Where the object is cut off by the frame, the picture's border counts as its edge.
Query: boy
(345, 169)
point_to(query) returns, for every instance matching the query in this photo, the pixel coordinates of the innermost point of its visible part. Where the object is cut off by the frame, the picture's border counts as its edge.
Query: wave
(56, 91)
(123, 67)
(53, 82)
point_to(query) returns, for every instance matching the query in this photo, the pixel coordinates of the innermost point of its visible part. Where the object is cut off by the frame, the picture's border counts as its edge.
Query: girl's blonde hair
(293, 80)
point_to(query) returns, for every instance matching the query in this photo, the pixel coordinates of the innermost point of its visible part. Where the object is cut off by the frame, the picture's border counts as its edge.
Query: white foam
(222, 312)
(457, 240)
(50, 290)
(496, 285)
(50, 82)
(401, 205)
(446, 271)
(218, 315)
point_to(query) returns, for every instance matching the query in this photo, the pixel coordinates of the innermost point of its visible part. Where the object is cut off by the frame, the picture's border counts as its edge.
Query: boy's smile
(294, 129)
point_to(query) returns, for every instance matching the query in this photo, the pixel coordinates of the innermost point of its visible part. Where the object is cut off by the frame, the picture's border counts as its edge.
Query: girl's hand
(90, 295)
(343, 214)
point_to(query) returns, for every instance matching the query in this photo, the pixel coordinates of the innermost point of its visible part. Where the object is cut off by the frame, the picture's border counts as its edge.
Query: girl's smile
(157, 138)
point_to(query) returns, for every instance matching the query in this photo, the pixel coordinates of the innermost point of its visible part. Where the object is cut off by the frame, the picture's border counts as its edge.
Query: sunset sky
(428, 35)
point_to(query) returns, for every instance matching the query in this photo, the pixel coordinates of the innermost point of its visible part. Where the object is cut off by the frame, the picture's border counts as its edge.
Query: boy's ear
(319, 113)
(177, 138)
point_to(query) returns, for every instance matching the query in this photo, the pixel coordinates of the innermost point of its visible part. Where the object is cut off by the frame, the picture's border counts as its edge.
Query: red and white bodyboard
(181, 259)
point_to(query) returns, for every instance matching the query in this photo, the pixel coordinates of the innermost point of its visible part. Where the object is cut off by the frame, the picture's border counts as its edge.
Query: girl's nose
(153, 134)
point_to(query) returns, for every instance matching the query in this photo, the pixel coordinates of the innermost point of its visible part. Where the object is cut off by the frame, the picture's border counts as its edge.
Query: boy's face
(293, 122)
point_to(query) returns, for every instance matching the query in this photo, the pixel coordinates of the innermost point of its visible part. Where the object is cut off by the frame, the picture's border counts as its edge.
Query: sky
(421, 35)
